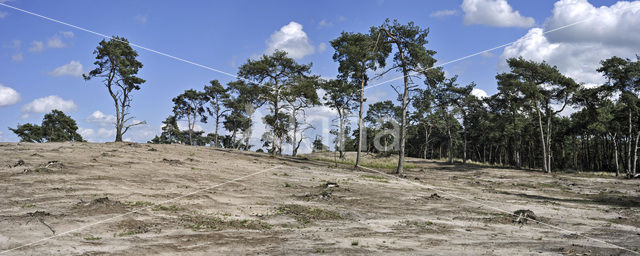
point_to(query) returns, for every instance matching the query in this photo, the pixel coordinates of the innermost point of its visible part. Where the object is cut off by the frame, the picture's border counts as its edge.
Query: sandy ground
(138, 199)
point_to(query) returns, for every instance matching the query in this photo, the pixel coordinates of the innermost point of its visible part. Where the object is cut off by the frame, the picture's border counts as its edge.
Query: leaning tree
(117, 65)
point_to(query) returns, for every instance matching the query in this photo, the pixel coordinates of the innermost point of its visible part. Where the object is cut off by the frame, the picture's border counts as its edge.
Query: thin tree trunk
(403, 124)
(629, 144)
(635, 154)
(549, 151)
(544, 148)
(360, 124)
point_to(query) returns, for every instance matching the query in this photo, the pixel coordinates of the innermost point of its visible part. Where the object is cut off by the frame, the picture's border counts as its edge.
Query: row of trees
(520, 126)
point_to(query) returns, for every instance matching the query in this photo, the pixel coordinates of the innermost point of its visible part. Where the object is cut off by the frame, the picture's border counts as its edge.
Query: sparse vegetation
(92, 238)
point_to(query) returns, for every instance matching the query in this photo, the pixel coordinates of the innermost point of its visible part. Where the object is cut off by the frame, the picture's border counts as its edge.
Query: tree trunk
(635, 154)
(190, 126)
(403, 123)
(341, 133)
(629, 144)
(360, 124)
(549, 151)
(516, 147)
(544, 148)
(276, 111)
(450, 144)
(464, 150)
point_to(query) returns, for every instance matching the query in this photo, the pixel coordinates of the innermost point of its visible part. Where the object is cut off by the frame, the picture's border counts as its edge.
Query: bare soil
(139, 199)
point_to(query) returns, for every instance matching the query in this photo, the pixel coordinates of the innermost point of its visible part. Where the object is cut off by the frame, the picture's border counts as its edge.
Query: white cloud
(141, 18)
(322, 46)
(46, 104)
(615, 25)
(3, 14)
(493, 13)
(292, 39)
(85, 133)
(443, 13)
(479, 93)
(104, 133)
(15, 44)
(102, 119)
(74, 68)
(578, 50)
(67, 34)
(324, 23)
(36, 46)
(55, 42)
(8, 96)
(487, 54)
(183, 126)
(17, 57)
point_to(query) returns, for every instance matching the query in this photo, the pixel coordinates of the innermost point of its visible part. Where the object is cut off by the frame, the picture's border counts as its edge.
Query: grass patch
(138, 203)
(172, 208)
(28, 205)
(131, 232)
(374, 177)
(305, 215)
(287, 185)
(382, 163)
(354, 243)
(201, 222)
(92, 238)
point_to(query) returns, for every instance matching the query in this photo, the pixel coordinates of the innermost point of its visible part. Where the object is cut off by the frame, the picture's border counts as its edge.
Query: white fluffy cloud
(8, 96)
(36, 46)
(46, 104)
(67, 34)
(55, 42)
(74, 68)
(493, 13)
(85, 133)
(577, 50)
(141, 18)
(101, 118)
(292, 39)
(105, 133)
(443, 13)
(17, 57)
(183, 126)
(479, 93)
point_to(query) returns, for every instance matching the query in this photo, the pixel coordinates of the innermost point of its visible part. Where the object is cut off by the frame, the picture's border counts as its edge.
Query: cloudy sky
(41, 62)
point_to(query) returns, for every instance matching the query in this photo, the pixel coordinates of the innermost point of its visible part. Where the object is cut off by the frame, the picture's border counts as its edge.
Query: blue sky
(223, 35)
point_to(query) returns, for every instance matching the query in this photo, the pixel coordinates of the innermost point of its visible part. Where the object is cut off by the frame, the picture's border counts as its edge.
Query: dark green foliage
(217, 95)
(275, 74)
(411, 57)
(55, 127)
(28, 132)
(190, 105)
(340, 96)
